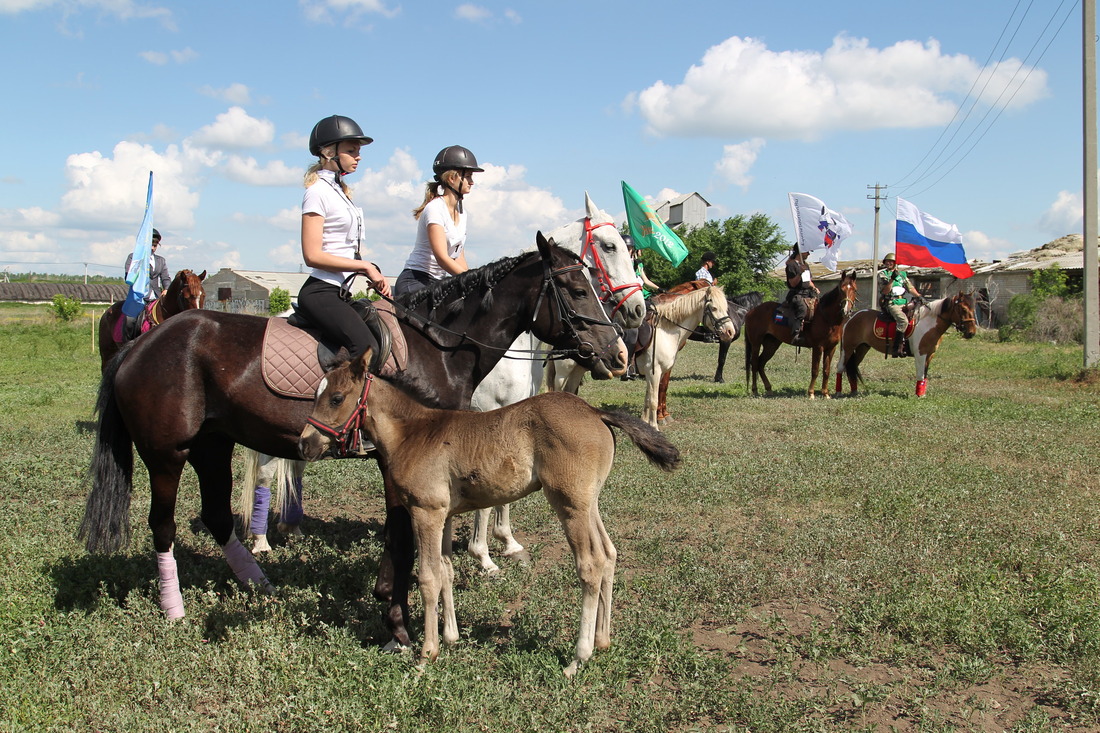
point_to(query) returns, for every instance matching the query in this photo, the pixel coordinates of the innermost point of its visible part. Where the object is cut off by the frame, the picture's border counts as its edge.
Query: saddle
(129, 329)
(784, 314)
(296, 355)
(886, 328)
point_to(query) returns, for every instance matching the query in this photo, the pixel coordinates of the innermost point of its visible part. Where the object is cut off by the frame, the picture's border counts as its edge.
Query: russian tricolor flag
(926, 241)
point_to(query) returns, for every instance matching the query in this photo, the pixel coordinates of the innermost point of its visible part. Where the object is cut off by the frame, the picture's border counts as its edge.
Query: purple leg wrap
(244, 565)
(293, 513)
(171, 600)
(261, 503)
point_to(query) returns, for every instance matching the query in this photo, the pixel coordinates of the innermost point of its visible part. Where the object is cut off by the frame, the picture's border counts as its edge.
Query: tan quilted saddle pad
(290, 367)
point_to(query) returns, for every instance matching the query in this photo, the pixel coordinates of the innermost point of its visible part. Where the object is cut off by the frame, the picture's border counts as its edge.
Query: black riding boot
(899, 344)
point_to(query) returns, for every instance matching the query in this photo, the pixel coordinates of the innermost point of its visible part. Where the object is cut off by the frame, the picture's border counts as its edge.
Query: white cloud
(123, 9)
(234, 93)
(289, 220)
(110, 192)
(322, 11)
(160, 58)
(1064, 215)
(34, 217)
(235, 128)
(469, 11)
(512, 16)
(27, 246)
(288, 254)
(184, 55)
(737, 160)
(981, 246)
(275, 173)
(743, 89)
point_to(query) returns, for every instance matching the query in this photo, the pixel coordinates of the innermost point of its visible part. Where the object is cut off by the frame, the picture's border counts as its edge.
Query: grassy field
(878, 563)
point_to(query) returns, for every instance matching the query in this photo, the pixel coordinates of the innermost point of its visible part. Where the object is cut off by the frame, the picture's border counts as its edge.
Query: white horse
(519, 374)
(677, 317)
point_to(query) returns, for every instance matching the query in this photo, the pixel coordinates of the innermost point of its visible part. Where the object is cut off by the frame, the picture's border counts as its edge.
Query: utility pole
(879, 196)
(1092, 301)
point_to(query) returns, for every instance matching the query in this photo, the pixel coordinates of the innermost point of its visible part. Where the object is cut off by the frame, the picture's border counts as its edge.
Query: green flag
(648, 231)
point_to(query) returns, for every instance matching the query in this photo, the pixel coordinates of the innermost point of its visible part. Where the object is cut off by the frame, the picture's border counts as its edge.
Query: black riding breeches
(322, 305)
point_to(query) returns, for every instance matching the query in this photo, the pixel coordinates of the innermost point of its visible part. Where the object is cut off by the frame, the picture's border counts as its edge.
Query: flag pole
(1091, 284)
(875, 258)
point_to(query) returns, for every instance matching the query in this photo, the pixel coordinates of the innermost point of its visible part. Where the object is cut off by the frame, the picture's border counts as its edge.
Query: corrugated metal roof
(44, 292)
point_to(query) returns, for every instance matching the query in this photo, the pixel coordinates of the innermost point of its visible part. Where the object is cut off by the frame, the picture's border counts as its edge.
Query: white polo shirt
(343, 222)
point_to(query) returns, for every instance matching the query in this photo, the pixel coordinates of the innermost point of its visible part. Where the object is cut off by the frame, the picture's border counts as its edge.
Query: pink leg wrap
(244, 565)
(171, 600)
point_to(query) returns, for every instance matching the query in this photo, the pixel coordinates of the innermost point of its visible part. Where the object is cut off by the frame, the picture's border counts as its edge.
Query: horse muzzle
(313, 444)
(610, 363)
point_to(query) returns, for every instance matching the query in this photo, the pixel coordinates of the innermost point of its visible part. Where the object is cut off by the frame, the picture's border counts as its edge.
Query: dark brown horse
(763, 334)
(184, 293)
(213, 396)
(865, 331)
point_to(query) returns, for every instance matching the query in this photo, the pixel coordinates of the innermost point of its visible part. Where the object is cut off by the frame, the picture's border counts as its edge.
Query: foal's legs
(395, 565)
(429, 529)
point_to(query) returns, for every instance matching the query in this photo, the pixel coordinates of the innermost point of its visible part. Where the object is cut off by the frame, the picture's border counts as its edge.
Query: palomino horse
(763, 334)
(214, 396)
(445, 462)
(677, 317)
(930, 323)
(184, 293)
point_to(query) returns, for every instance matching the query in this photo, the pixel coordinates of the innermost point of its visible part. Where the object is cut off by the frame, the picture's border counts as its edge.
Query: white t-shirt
(343, 222)
(421, 258)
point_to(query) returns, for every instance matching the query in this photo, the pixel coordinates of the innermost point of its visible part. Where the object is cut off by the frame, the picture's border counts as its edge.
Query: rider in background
(332, 235)
(440, 222)
(800, 286)
(158, 271)
(893, 286)
(707, 263)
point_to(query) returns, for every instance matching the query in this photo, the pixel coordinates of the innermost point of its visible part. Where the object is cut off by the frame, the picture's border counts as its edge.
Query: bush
(65, 308)
(1059, 321)
(1020, 316)
(279, 301)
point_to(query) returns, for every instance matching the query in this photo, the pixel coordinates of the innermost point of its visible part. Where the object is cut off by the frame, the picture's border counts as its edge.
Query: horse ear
(589, 207)
(203, 275)
(543, 245)
(358, 367)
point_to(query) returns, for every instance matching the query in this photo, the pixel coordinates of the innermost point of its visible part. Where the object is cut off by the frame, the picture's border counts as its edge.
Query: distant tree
(747, 248)
(65, 308)
(1050, 282)
(278, 301)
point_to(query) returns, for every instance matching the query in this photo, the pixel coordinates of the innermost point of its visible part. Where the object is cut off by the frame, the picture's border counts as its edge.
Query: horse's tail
(106, 523)
(658, 449)
(277, 474)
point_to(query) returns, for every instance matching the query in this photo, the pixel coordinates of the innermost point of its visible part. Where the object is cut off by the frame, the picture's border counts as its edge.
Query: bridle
(347, 436)
(607, 288)
(715, 323)
(565, 313)
(958, 324)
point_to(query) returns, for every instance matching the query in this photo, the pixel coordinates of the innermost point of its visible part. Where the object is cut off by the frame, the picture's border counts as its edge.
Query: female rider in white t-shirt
(332, 235)
(441, 222)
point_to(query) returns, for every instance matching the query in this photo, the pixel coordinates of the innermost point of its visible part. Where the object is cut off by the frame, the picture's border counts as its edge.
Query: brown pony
(763, 334)
(184, 293)
(446, 462)
(930, 323)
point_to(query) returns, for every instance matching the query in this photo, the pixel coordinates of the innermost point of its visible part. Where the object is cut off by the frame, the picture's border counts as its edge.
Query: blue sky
(971, 110)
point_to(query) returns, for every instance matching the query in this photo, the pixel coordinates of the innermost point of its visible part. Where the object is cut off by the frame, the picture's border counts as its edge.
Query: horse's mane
(414, 387)
(683, 305)
(747, 300)
(833, 295)
(451, 292)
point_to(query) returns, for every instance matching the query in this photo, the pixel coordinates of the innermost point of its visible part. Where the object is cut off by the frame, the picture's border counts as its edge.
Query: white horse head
(597, 240)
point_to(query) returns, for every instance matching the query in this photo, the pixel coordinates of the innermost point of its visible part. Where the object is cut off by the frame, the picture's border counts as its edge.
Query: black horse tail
(658, 449)
(106, 523)
(851, 368)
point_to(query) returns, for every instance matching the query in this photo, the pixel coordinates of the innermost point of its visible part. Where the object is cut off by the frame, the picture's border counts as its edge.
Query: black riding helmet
(333, 130)
(454, 158)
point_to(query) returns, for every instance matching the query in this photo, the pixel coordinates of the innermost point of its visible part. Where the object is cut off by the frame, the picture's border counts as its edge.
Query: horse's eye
(608, 246)
(579, 293)
(336, 400)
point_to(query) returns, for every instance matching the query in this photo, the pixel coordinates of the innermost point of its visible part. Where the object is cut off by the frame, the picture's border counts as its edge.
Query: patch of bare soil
(875, 695)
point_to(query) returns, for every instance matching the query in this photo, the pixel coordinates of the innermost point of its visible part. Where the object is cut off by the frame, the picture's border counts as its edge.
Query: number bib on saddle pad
(290, 366)
(886, 328)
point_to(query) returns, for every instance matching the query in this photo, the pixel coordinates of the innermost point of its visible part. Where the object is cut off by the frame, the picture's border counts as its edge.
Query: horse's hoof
(520, 556)
(396, 647)
(719, 380)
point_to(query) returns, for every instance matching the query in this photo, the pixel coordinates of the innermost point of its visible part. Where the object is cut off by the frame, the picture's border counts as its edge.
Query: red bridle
(347, 436)
(607, 288)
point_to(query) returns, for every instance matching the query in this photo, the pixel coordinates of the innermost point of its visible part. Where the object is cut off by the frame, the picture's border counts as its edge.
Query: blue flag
(138, 276)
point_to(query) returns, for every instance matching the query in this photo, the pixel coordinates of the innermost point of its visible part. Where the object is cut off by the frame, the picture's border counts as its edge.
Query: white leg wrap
(171, 600)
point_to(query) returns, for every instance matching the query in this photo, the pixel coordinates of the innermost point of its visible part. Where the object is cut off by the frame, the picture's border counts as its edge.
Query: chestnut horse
(214, 396)
(930, 323)
(763, 335)
(446, 462)
(184, 293)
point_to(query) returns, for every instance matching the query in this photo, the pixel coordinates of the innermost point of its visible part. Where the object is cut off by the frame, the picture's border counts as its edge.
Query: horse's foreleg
(723, 350)
(826, 367)
(479, 542)
(652, 387)
(429, 529)
(395, 565)
(662, 398)
(450, 622)
(815, 365)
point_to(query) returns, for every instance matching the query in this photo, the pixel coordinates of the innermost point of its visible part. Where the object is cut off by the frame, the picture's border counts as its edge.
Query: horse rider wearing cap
(893, 286)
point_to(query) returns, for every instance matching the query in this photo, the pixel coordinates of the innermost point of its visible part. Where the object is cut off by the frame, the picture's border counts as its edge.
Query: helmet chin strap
(340, 172)
(449, 187)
